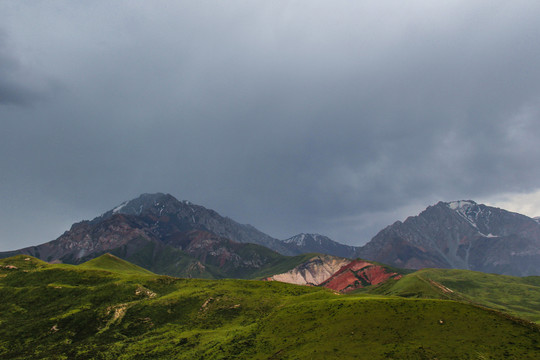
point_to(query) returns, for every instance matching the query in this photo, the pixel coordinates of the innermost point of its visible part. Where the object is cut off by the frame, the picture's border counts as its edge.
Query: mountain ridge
(463, 235)
(458, 234)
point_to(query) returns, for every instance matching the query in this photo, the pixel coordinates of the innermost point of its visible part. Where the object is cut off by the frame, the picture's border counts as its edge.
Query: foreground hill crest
(92, 311)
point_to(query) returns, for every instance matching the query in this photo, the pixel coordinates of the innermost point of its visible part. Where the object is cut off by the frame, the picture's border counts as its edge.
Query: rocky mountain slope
(315, 243)
(174, 237)
(166, 236)
(461, 235)
(313, 272)
(166, 216)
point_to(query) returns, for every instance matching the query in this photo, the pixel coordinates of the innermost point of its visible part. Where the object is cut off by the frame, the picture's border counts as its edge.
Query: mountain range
(168, 236)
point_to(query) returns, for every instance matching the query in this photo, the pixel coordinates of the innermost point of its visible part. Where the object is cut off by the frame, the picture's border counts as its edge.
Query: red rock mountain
(359, 274)
(337, 273)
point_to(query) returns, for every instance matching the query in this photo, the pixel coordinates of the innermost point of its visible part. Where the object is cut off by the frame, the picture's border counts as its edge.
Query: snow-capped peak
(303, 238)
(460, 204)
(299, 239)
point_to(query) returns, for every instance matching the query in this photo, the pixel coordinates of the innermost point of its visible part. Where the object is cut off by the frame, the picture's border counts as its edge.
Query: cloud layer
(330, 117)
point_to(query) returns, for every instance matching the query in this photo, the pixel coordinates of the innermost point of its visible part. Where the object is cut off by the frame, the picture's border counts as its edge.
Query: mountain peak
(155, 204)
(460, 204)
(460, 234)
(316, 243)
(303, 238)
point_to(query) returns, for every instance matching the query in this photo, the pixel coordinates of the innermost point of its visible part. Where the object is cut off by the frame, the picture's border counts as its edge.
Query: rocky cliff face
(339, 274)
(461, 235)
(358, 274)
(312, 272)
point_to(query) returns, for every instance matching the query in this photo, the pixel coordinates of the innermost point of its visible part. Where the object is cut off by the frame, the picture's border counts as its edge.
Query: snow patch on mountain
(119, 207)
(304, 239)
(467, 209)
(460, 204)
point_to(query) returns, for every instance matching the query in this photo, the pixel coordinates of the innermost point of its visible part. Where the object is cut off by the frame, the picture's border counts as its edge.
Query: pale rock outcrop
(313, 272)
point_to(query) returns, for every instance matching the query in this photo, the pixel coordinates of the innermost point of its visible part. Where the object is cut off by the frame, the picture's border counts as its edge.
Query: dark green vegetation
(110, 309)
(514, 295)
(250, 260)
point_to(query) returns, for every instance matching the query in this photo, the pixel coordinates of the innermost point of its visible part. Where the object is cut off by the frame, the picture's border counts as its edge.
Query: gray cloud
(336, 118)
(13, 90)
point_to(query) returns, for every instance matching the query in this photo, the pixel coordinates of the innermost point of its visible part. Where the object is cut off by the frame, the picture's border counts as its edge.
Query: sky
(330, 117)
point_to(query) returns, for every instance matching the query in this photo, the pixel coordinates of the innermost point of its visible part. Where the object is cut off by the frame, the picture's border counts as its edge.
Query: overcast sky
(335, 117)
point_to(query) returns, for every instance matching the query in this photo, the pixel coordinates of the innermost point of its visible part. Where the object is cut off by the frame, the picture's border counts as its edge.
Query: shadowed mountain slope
(462, 235)
(315, 243)
(167, 236)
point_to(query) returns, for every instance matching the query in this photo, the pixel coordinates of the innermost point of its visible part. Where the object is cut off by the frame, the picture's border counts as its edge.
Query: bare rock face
(313, 272)
(85, 239)
(359, 274)
(460, 235)
(336, 273)
(165, 216)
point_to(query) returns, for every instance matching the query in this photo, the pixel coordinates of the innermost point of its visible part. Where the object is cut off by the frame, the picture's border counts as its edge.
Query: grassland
(110, 309)
(513, 295)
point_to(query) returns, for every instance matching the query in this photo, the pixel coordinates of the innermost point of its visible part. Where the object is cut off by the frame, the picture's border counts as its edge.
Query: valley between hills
(158, 278)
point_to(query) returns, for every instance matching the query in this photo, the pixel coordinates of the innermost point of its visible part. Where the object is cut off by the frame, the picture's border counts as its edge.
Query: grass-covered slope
(96, 312)
(244, 260)
(115, 264)
(514, 295)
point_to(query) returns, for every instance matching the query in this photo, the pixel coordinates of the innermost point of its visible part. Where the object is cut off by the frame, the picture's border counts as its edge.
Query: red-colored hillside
(358, 274)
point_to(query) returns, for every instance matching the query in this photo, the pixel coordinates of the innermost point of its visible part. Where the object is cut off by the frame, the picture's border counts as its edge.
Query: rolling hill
(108, 309)
(513, 295)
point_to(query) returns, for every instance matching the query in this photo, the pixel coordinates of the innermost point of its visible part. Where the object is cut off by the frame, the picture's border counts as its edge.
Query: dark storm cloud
(337, 118)
(13, 89)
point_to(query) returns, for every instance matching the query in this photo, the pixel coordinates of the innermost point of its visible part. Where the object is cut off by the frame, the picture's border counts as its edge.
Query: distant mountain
(165, 215)
(315, 243)
(167, 236)
(461, 235)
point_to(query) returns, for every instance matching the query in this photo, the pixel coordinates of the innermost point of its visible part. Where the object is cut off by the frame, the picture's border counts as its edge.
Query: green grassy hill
(163, 259)
(102, 310)
(514, 295)
(112, 263)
